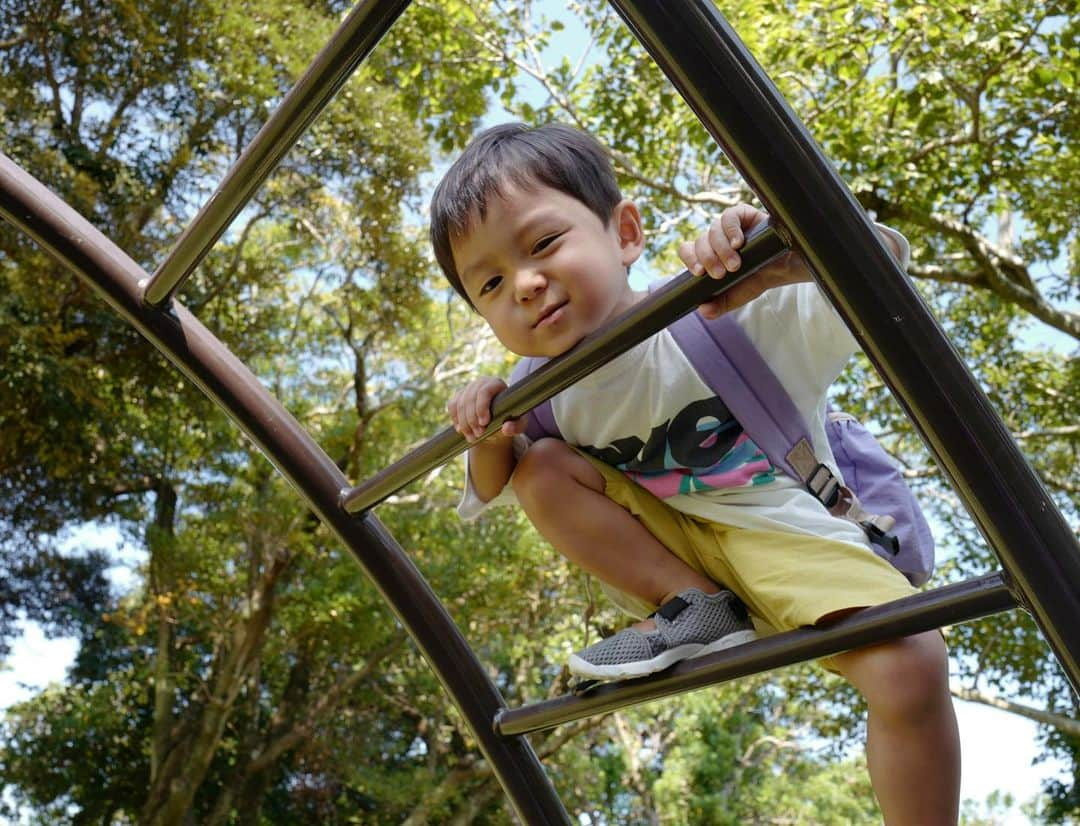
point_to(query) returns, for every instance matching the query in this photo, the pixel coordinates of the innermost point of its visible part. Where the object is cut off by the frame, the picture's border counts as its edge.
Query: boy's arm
(715, 252)
(492, 461)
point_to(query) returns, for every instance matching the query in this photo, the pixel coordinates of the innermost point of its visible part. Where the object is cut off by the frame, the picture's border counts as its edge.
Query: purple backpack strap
(751, 390)
(756, 398)
(724, 356)
(541, 418)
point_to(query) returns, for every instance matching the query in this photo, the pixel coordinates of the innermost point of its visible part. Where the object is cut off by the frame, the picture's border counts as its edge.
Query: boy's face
(544, 271)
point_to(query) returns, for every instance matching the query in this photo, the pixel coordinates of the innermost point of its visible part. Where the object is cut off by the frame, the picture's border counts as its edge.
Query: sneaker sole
(730, 641)
(666, 659)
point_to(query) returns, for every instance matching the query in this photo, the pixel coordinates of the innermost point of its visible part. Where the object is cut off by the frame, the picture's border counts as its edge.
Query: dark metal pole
(223, 378)
(912, 615)
(350, 44)
(675, 299)
(739, 105)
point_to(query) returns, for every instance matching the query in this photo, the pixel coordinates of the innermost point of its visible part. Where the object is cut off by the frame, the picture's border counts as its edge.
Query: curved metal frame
(224, 378)
(815, 212)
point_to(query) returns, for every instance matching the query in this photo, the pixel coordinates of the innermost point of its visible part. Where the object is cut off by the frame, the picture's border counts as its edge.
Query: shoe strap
(672, 608)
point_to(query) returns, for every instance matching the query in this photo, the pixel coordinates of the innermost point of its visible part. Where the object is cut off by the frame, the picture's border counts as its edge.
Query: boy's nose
(529, 284)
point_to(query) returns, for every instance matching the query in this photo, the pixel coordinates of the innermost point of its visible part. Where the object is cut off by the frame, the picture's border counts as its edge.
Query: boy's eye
(490, 284)
(544, 243)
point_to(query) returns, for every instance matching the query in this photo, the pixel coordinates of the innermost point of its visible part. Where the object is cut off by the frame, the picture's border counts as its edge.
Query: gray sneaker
(690, 625)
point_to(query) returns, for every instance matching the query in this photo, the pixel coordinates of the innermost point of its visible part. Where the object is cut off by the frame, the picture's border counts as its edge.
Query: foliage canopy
(251, 674)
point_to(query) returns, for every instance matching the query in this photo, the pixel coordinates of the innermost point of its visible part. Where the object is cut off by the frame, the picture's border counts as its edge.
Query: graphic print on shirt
(702, 447)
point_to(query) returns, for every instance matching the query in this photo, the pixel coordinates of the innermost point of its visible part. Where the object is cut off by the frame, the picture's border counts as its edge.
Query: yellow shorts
(787, 580)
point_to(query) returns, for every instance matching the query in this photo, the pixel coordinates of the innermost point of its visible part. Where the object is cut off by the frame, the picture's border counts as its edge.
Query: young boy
(530, 228)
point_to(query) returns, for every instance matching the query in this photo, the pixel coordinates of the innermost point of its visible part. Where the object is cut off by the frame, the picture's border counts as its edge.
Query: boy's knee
(906, 677)
(546, 469)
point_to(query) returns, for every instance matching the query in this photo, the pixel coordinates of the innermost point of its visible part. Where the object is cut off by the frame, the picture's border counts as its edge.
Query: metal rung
(350, 44)
(921, 612)
(672, 301)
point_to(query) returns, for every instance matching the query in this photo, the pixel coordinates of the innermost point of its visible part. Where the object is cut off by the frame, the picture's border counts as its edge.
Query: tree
(253, 675)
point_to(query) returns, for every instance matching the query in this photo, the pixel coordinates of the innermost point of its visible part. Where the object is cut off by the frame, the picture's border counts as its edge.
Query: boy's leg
(913, 745)
(794, 580)
(563, 496)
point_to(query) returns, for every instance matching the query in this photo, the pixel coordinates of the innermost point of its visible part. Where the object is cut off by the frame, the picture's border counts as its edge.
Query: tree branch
(1002, 273)
(326, 703)
(1049, 432)
(1066, 725)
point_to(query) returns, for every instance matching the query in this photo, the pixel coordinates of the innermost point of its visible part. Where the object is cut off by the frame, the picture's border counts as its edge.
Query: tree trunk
(160, 537)
(170, 798)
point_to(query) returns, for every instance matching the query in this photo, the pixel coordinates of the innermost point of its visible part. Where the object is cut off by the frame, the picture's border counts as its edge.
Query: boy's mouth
(549, 315)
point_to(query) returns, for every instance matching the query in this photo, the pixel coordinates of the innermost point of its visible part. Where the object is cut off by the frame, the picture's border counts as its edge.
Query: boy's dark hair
(554, 155)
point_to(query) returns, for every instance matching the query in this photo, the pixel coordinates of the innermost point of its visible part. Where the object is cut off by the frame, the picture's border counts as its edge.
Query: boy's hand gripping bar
(665, 305)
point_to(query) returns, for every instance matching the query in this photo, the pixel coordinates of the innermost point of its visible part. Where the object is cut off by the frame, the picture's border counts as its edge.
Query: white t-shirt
(650, 413)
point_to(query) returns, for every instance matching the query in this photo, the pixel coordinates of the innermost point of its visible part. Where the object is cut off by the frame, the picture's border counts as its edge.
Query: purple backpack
(874, 494)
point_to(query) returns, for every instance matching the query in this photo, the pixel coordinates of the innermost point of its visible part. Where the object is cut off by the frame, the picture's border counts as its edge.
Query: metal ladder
(815, 212)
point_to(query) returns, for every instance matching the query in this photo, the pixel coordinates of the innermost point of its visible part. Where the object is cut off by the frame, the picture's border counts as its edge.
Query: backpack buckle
(822, 483)
(879, 537)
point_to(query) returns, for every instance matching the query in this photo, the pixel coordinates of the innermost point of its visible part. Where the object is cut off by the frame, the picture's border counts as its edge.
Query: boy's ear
(627, 222)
